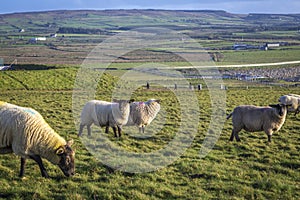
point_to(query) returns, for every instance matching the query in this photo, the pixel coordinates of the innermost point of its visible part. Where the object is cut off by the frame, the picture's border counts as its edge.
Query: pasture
(251, 169)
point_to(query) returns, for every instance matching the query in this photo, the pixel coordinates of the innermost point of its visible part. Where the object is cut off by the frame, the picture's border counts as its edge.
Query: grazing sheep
(293, 100)
(255, 118)
(142, 113)
(102, 113)
(23, 131)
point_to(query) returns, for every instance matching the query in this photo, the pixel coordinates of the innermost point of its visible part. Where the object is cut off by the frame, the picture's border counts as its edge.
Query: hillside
(110, 21)
(66, 37)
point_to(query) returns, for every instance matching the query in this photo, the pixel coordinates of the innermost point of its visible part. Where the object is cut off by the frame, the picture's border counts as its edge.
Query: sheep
(142, 113)
(24, 132)
(254, 118)
(293, 100)
(102, 113)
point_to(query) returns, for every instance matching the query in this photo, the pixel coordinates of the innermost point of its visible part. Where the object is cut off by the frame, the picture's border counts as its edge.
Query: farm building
(270, 45)
(267, 46)
(36, 39)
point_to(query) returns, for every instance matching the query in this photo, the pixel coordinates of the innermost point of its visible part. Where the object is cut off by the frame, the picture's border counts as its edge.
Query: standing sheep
(23, 131)
(255, 118)
(102, 113)
(293, 100)
(142, 113)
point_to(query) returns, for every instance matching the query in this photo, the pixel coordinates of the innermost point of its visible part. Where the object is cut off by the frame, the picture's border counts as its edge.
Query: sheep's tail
(228, 116)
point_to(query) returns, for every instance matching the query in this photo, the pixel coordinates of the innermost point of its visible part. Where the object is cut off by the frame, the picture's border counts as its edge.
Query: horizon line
(145, 9)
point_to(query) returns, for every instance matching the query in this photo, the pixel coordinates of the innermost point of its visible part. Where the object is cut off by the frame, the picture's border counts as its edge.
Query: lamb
(102, 113)
(254, 118)
(293, 100)
(23, 131)
(142, 113)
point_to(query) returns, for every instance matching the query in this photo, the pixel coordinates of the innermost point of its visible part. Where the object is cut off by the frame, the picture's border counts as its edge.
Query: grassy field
(251, 169)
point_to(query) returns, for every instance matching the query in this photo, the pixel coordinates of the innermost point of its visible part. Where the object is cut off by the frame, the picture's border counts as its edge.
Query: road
(233, 66)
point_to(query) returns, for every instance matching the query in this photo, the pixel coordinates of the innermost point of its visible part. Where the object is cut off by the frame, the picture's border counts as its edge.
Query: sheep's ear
(70, 142)
(60, 151)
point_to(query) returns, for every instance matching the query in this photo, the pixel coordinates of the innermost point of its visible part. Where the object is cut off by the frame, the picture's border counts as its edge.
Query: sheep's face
(67, 159)
(123, 104)
(281, 109)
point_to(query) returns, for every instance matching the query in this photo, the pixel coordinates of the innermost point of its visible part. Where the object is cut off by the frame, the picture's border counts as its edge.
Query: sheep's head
(280, 108)
(67, 159)
(152, 101)
(123, 103)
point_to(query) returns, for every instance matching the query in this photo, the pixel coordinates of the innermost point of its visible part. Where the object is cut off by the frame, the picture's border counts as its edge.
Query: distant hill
(111, 21)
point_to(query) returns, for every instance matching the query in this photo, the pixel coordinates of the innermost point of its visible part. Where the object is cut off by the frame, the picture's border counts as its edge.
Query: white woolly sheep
(23, 131)
(102, 113)
(142, 113)
(254, 118)
(293, 100)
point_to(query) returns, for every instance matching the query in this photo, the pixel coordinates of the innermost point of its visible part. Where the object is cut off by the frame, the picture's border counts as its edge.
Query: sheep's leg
(39, 161)
(269, 133)
(22, 168)
(297, 111)
(119, 131)
(232, 135)
(143, 129)
(115, 131)
(106, 129)
(80, 129)
(269, 138)
(89, 130)
(237, 136)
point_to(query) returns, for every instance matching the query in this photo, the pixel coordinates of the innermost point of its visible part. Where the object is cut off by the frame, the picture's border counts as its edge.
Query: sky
(232, 6)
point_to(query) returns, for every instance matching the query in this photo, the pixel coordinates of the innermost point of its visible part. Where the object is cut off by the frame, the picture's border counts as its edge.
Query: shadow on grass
(31, 67)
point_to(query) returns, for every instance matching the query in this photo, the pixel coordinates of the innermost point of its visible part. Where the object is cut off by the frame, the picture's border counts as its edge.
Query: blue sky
(233, 6)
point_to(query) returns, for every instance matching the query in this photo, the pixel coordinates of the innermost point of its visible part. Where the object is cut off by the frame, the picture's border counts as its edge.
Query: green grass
(251, 169)
(271, 56)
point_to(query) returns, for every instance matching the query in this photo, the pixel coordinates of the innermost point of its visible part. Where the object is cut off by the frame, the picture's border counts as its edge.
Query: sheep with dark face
(23, 131)
(254, 118)
(105, 114)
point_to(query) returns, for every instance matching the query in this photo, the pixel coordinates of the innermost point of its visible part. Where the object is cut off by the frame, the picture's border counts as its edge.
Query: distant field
(252, 57)
(78, 32)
